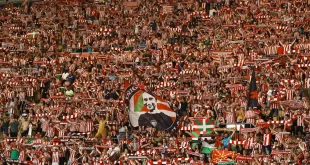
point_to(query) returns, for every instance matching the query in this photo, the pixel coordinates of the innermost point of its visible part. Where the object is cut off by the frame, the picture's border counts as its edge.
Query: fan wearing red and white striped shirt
(184, 145)
(267, 141)
(72, 155)
(248, 143)
(89, 125)
(230, 117)
(55, 157)
(300, 123)
(73, 125)
(82, 126)
(50, 131)
(250, 116)
(256, 146)
(62, 130)
(44, 125)
(288, 123)
(22, 155)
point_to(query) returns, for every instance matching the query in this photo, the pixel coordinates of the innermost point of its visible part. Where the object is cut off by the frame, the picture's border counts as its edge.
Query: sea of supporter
(65, 65)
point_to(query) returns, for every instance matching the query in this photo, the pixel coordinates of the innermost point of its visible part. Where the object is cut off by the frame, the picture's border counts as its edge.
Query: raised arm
(293, 42)
(232, 134)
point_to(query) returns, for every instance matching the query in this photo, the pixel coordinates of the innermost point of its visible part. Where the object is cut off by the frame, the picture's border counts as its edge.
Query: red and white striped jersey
(278, 136)
(250, 116)
(271, 50)
(290, 94)
(55, 157)
(287, 124)
(256, 145)
(72, 155)
(89, 126)
(82, 126)
(21, 156)
(230, 118)
(307, 82)
(63, 151)
(248, 143)
(184, 144)
(45, 125)
(50, 132)
(61, 132)
(267, 139)
(300, 120)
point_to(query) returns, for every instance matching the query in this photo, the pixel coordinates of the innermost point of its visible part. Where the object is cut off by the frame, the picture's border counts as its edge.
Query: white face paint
(149, 101)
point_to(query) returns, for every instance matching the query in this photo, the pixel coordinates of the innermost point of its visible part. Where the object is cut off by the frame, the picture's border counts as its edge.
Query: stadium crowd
(65, 66)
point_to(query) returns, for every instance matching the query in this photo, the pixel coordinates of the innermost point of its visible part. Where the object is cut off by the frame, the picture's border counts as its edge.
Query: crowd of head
(65, 66)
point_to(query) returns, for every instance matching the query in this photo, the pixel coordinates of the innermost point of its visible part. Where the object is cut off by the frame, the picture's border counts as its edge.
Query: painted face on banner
(149, 101)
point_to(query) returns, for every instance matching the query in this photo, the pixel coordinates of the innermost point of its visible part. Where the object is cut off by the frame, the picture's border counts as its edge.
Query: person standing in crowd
(13, 127)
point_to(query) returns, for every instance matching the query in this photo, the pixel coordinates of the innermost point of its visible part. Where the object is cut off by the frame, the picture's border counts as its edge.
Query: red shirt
(217, 141)
(280, 50)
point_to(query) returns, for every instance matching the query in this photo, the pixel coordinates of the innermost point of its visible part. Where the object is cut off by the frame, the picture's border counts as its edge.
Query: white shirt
(211, 12)
(114, 151)
(122, 129)
(269, 94)
(64, 76)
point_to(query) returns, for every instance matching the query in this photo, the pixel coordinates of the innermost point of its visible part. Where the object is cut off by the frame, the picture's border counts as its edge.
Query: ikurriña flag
(147, 109)
(253, 93)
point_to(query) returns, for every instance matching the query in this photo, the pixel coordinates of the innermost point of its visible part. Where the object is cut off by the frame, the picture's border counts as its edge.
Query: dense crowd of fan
(65, 66)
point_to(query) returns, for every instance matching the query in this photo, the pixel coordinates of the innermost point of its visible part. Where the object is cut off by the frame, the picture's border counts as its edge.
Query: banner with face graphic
(146, 109)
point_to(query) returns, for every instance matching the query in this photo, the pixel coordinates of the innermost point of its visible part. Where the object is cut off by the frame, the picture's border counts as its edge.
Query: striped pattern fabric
(5, 75)
(197, 97)
(239, 88)
(206, 18)
(263, 17)
(96, 33)
(302, 65)
(170, 77)
(282, 28)
(304, 59)
(266, 124)
(160, 162)
(80, 133)
(43, 114)
(238, 21)
(15, 28)
(106, 29)
(196, 13)
(12, 83)
(11, 139)
(247, 130)
(167, 9)
(70, 116)
(82, 21)
(29, 80)
(166, 84)
(112, 122)
(187, 128)
(183, 72)
(36, 141)
(177, 29)
(116, 49)
(235, 142)
(85, 83)
(276, 122)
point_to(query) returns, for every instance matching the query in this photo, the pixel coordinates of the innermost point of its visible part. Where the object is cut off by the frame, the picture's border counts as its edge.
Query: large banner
(253, 94)
(147, 109)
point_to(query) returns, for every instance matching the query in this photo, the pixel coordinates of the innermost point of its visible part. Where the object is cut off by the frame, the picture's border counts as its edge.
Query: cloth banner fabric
(147, 109)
